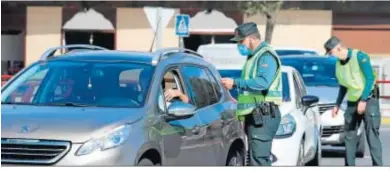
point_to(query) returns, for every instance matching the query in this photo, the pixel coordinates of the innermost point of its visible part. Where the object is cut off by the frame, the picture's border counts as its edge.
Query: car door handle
(196, 130)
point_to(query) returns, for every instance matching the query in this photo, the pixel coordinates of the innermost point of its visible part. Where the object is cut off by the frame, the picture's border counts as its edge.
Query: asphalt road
(332, 156)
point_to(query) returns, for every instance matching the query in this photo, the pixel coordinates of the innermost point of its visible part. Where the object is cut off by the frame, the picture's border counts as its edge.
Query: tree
(267, 8)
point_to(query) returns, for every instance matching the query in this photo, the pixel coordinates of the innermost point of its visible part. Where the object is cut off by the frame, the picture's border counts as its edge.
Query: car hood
(325, 93)
(75, 124)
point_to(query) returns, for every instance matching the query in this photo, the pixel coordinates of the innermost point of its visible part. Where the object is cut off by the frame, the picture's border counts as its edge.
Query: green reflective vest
(351, 76)
(246, 99)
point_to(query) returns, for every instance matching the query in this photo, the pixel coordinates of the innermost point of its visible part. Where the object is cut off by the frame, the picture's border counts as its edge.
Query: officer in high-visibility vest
(357, 79)
(259, 92)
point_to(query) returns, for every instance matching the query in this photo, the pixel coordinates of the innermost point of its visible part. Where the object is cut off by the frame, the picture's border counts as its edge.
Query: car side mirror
(309, 100)
(180, 110)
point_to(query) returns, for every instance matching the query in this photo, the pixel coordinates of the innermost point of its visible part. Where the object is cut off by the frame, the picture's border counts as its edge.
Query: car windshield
(318, 72)
(80, 83)
(295, 52)
(237, 74)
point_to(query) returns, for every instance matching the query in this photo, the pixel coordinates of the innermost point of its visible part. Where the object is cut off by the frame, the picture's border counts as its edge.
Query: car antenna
(155, 33)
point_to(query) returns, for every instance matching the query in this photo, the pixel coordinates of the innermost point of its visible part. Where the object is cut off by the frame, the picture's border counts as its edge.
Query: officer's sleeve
(341, 95)
(266, 72)
(365, 66)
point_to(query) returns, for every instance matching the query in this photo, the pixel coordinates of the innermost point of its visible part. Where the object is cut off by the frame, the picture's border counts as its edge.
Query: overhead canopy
(89, 20)
(212, 22)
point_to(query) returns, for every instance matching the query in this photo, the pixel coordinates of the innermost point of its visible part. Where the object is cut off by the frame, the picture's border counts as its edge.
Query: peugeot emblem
(28, 128)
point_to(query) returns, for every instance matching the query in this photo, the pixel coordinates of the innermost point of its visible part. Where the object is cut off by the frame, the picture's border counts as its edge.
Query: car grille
(325, 107)
(26, 151)
(328, 131)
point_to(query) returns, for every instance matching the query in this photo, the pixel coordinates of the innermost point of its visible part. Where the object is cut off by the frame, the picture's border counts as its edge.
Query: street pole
(181, 42)
(159, 29)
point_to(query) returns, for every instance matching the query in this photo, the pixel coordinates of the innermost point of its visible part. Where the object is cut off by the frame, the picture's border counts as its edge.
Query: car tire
(235, 159)
(301, 153)
(318, 156)
(361, 146)
(147, 162)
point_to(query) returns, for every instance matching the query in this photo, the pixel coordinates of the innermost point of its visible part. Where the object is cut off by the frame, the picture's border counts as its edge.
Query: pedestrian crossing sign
(182, 25)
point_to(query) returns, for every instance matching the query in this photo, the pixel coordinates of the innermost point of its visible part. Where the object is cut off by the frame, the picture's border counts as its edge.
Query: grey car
(101, 107)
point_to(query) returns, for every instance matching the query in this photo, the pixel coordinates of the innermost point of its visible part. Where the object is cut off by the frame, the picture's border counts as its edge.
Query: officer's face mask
(244, 51)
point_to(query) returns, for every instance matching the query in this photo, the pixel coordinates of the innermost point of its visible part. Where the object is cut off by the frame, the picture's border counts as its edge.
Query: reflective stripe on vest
(247, 99)
(351, 76)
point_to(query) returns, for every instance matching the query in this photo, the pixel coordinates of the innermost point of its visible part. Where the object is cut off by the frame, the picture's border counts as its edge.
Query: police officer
(260, 92)
(356, 78)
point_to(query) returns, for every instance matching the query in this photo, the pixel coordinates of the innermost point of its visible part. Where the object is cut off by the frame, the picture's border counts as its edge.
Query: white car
(297, 141)
(298, 138)
(319, 77)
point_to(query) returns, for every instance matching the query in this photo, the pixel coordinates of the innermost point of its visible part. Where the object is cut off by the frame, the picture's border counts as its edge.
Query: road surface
(332, 156)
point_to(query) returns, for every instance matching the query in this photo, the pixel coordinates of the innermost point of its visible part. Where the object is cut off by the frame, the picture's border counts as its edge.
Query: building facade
(29, 28)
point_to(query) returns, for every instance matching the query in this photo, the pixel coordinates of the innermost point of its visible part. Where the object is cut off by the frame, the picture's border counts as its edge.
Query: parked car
(101, 107)
(318, 73)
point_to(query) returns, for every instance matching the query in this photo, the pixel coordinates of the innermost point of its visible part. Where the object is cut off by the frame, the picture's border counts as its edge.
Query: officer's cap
(331, 43)
(244, 30)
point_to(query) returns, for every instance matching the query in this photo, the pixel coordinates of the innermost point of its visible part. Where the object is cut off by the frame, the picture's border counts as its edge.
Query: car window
(297, 91)
(171, 80)
(314, 71)
(217, 88)
(199, 85)
(286, 88)
(89, 83)
(295, 52)
(301, 84)
(26, 90)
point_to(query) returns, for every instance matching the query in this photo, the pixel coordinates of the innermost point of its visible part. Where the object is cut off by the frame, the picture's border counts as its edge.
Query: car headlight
(287, 126)
(113, 139)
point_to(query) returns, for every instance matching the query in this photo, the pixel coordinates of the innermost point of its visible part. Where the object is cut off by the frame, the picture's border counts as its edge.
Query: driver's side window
(171, 80)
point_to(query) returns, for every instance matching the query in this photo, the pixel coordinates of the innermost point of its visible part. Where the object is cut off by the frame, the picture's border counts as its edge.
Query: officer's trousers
(372, 121)
(260, 138)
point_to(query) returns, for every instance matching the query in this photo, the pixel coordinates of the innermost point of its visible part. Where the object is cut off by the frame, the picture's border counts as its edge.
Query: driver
(173, 94)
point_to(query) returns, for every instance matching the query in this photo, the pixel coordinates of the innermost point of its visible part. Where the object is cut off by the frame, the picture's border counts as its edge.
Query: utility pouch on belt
(257, 114)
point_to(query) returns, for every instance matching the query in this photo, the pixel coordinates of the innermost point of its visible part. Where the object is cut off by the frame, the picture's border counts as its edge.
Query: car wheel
(235, 159)
(361, 146)
(147, 162)
(301, 153)
(318, 156)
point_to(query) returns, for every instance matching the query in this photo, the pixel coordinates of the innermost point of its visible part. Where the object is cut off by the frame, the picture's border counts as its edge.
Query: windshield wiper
(69, 104)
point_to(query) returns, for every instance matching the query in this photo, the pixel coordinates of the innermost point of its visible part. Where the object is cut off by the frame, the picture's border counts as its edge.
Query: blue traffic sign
(182, 25)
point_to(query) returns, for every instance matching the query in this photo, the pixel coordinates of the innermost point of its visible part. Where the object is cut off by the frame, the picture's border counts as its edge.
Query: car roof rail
(51, 51)
(162, 52)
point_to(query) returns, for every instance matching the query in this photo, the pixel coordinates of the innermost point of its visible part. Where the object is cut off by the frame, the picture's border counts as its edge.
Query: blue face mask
(244, 51)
